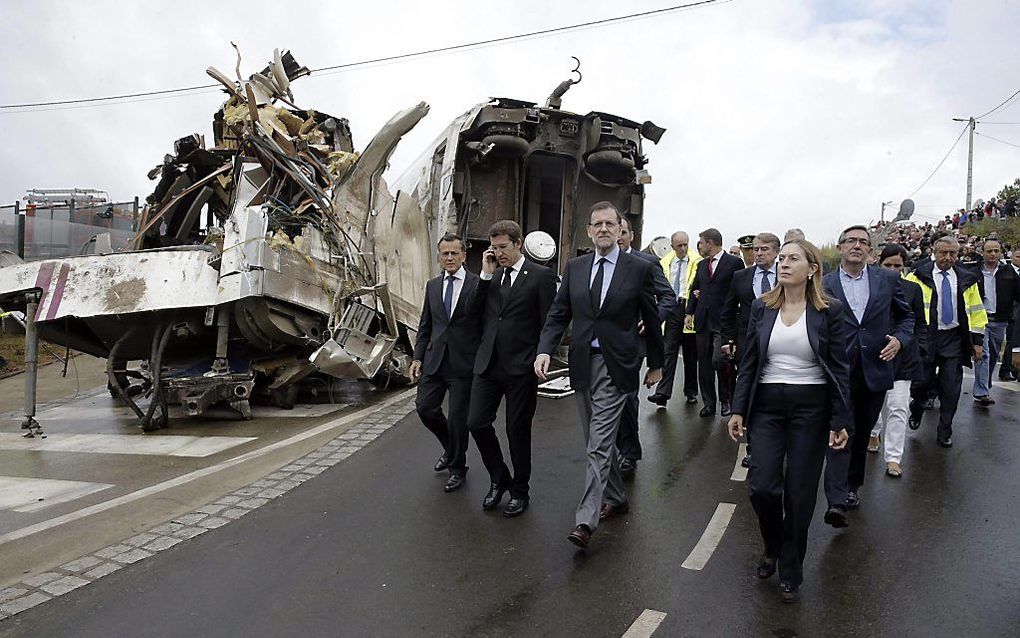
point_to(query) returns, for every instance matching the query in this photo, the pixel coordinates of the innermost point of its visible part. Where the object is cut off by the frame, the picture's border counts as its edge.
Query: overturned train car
(307, 266)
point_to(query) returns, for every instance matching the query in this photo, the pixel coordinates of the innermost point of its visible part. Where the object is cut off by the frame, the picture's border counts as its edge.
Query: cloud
(780, 114)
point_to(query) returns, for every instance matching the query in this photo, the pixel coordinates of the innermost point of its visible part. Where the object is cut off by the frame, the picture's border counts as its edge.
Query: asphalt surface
(373, 547)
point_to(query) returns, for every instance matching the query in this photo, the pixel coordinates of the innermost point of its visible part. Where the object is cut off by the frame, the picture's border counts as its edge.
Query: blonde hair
(813, 292)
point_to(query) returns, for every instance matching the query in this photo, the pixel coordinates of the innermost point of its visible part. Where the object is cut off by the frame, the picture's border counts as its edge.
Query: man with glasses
(956, 332)
(879, 323)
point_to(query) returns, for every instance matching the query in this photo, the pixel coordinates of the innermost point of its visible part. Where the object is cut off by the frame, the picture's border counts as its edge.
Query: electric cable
(932, 174)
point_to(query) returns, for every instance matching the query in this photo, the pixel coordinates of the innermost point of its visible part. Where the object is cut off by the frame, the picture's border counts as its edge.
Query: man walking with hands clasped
(603, 295)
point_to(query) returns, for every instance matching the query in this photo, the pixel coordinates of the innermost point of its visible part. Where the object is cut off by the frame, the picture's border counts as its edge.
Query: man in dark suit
(444, 355)
(748, 284)
(879, 323)
(627, 442)
(704, 309)
(1009, 372)
(604, 295)
(517, 294)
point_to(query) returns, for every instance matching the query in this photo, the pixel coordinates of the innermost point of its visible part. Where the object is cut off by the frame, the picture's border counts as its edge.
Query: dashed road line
(739, 472)
(23, 494)
(141, 444)
(646, 624)
(702, 552)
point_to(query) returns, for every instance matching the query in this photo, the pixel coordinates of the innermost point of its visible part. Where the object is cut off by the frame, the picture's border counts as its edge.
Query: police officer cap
(746, 241)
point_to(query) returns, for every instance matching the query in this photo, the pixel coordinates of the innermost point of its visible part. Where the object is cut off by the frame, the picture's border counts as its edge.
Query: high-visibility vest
(976, 316)
(692, 265)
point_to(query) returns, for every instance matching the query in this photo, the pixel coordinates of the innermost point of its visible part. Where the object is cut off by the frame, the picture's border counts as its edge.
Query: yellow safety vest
(692, 266)
(977, 318)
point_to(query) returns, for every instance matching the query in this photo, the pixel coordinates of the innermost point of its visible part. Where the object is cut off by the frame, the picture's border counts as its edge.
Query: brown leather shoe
(581, 536)
(610, 510)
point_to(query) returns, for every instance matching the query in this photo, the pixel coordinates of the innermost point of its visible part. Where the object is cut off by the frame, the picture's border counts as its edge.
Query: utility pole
(884, 204)
(970, 158)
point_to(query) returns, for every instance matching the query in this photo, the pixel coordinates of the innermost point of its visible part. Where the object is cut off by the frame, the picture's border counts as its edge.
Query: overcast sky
(779, 113)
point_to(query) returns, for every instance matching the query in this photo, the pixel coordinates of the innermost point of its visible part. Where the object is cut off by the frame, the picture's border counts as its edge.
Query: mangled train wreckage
(279, 254)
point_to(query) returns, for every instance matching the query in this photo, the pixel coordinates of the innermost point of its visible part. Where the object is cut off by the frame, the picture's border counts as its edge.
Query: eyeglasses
(862, 241)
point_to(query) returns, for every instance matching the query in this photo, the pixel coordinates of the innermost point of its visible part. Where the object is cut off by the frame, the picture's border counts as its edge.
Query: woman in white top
(793, 389)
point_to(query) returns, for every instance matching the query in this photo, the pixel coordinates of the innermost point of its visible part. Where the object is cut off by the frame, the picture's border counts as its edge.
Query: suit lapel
(467, 290)
(838, 289)
(619, 271)
(814, 326)
(584, 280)
(765, 332)
(874, 290)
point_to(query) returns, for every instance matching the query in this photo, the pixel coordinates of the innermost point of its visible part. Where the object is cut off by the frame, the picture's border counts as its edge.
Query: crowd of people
(814, 369)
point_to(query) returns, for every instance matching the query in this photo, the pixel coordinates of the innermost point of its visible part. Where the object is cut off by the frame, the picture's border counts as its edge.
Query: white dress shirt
(937, 277)
(517, 267)
(756, 282)
(458, 285)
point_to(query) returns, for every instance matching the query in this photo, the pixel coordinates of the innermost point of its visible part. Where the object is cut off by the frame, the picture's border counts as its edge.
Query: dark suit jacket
(665, 297)
(736, 311)
(707, 307)
(457, 336)
(965, 278)
(1007, 291)
(631, 296)
(511, 325)
(907, 364)
(827, 334)
(887, 313)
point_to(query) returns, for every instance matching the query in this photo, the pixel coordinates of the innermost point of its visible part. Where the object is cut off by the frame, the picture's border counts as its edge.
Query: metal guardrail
(45, 232)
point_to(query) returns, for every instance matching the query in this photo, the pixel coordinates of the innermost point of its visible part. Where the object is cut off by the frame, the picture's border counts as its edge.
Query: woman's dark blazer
(827, 334)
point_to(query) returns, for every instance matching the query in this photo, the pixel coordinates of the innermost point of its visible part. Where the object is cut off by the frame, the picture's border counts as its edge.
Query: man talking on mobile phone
(517, 295)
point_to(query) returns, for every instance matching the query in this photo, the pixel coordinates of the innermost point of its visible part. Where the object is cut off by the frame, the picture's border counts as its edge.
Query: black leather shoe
(766, 567)
(581, 536)
(495, 495)
(914, 422)
(853, 500)
(707, 411)
(627, 467)
(454, 483)
(947, 443)
(442, 464)
(658, 399)
(515, 507)
(929, 404)
(725, 411)
(836, 516)
(787, 593)
(746, 461)
(984, 402)
(692, 399)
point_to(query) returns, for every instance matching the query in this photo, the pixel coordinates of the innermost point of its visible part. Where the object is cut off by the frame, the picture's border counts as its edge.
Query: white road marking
(739, 473)
(143, 444)
(197, 474)
(646, 624)
(699, 556)
(105, 412)
(23, 494)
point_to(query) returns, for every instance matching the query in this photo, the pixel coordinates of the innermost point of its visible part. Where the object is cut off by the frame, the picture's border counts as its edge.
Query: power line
(997, 140)
(402, 56)
(926, 180)
(999, 106)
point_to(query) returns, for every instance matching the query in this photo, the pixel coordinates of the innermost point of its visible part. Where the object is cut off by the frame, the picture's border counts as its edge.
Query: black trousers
(451, 431)
(867, 405)
(1006, 367)
(627, 442)
(678, 344)
(944, 377)
(790, 425)
(521, 392)
(710, 362)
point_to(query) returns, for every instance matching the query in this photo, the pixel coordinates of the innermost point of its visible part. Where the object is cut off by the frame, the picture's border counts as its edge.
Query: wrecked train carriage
(504, 159)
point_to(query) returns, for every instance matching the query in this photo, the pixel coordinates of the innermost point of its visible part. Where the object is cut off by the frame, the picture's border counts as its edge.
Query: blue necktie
(448, 297)
(765, 285)
(946, 299)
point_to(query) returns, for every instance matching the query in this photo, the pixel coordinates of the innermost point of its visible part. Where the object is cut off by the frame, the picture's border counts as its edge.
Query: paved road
(373, 547)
